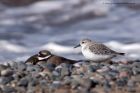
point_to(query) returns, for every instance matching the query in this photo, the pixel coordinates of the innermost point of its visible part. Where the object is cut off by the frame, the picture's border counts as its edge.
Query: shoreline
(83, 77)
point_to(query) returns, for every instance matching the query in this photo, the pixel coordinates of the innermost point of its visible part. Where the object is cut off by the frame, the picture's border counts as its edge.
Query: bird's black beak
(77, 46)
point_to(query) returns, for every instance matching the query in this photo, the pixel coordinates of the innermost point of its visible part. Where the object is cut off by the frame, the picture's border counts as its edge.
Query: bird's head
(44, 53)
(83, 42)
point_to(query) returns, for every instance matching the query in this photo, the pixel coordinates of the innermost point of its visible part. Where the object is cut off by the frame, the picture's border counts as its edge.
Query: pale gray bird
(96, 52)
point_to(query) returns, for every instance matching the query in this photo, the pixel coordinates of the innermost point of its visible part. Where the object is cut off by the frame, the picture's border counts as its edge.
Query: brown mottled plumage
(46, 56)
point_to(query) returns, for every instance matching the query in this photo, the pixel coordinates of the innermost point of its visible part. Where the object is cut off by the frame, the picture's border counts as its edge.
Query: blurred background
(28, 26)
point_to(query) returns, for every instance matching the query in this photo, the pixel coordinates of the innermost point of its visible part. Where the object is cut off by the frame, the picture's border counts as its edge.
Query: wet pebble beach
(28, 26)
(81, 77)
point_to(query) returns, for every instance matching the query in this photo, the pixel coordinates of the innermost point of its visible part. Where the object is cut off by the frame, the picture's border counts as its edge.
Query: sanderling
(96, 52)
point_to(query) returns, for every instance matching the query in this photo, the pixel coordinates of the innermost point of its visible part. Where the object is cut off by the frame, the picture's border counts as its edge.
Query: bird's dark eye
(83, 42)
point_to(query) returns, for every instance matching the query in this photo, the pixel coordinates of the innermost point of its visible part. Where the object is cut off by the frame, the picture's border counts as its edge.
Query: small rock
(43, 82)
(131, 85)
(124, 62)
(122, 82)
(92, 68)
(113, 67)
(87, 83)
(136, 64)
(136, 70)
(103, 69)
(14, 65)
(123, 74)
(23, 82)
(21, 66)
(7, 72)
(55, 73)
(6, 80)
(45, 73)
(34, 82)
(79, 64)
(107, 86)
(137, 78)
(65, 71)
(110, 75)
(21, 90)
(3, 67)
(49, 66)
(8, 89)
(19, 74)
(35, 68)
(67, 80)
(56, 84)
(31, 90)
(75, 84)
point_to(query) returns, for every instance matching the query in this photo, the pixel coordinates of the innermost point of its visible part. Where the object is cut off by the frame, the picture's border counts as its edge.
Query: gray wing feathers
(101, 49)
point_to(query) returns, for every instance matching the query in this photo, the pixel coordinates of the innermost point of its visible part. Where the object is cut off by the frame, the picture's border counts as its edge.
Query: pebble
(34, 68)
(46, 73)
(67, 80)
(79, 64)
(56, 84)
(74, 84)
(3, 67)
(123, 74)
(49, 66)
(92, 68)
(136, 64)
(14, 65)
(82, 77)
(43, 82)
(23, 82)
(107, 86)
(8, 89)
(33, 82)
(111, 75)
(6, 80)
(21, 66)
(103, 69)
(19, 74)
(136, 70)
(7, 72)
(65, 71)
(122, 82)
